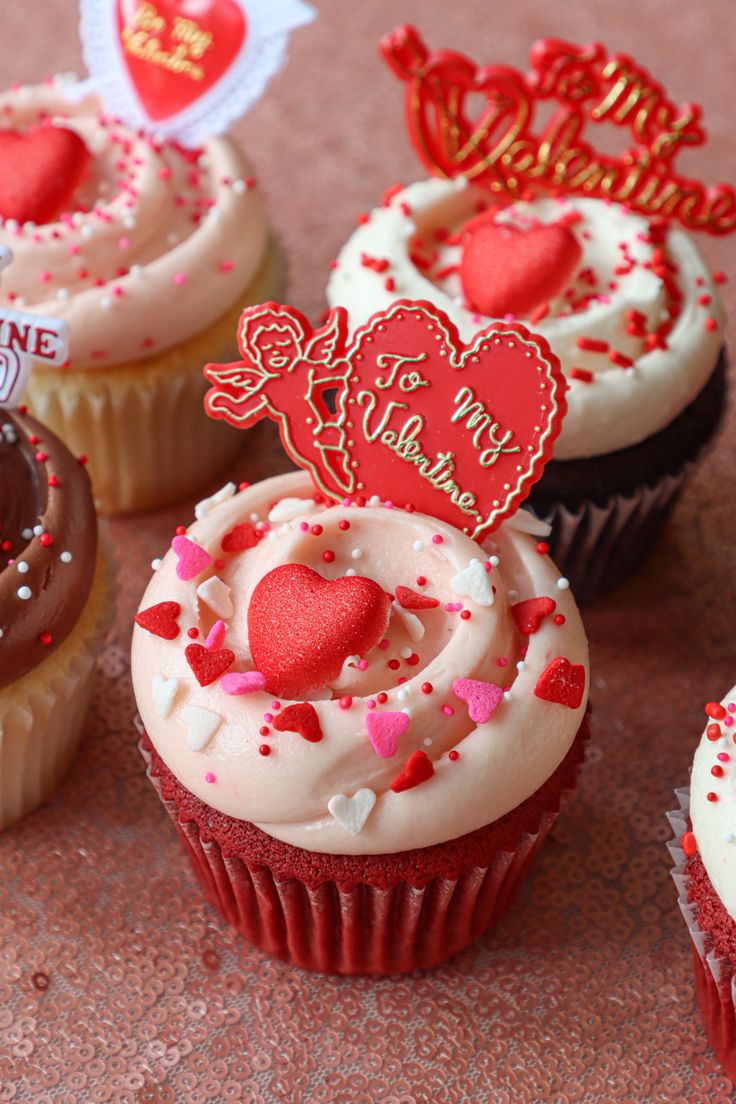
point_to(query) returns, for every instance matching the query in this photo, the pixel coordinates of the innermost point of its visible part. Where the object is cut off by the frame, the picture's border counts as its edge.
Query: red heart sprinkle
(302, 718)
(40, 169)
(529, 614)
(240, 538)
(562, 682)
(409, 599)
(505, 270)
(208, 665)
(417, 769)
(301, 627)
(160, 620)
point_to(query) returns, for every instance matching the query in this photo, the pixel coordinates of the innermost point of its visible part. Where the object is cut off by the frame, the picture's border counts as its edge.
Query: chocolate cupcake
(53, 610)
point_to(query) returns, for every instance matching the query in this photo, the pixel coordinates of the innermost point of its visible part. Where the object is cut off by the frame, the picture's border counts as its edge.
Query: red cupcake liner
(374, 914)
(599, 547)
(711, 930)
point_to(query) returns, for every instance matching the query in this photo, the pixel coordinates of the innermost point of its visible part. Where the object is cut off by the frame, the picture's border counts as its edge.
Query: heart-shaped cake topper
(497, 148)
(25, 337)
(185, 68)
(404, 411)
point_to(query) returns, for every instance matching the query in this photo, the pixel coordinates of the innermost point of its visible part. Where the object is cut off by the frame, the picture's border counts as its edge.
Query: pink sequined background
(124, 986)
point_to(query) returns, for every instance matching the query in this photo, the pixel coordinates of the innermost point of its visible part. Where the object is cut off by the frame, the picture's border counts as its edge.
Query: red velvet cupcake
(361, 722)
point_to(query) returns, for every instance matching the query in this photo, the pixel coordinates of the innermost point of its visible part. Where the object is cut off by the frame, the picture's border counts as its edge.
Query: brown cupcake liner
(363, 928)
(142, 426)
(715, 977)
(599, 547)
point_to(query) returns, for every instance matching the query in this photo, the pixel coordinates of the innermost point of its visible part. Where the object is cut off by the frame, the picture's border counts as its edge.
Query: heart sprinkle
(417, 769)
(474, 582)
(243, 682)
(562, 682)
(41, 170)
(192, 559)
(351, 813)
(203, 508)
(529, 614)
(216, 636)
(201, 725)
(300, 717)
(208, 665)
(482, 698)
(240, 538)
(163, 692)
(160, 620)
(408, 599)
(384, 730)
(217, 596)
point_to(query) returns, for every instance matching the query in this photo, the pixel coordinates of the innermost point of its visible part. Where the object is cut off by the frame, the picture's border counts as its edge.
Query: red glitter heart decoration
(409, 599)
(461, 432)
(562, 682)
(40, 169)
(505, 270)
(176, 51)
(530, 613)
(208, 663)
(240, 538)
(417, 769)
(300, 717)
(301, 627)
(160, 620)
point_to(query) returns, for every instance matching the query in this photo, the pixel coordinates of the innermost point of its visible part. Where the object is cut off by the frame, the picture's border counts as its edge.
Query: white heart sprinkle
(289, 508)
(201, 725)
(410, 621)
(474, 582)
(352, 812)
(526, 522)
(163, 692)
(203, 508)
(217, 596)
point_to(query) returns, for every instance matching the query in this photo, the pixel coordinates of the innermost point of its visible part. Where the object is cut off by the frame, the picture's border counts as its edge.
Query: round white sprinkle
(254, 517)
(22, 566)
(494, 561)
(66, 557)
(1, 632)
(239, 186)
(356, 554)
(418, 545)
(24, 592)
(563, 583)
(729, 837)
(129, 222)
(86, 231)
(37, 530)
(402, 695)
(62, 293)
(134, 270)
(374, 500)
(427, 742)
(512, 594)
(26, 534)
(155, 564)
(405, 652)
(507, 695)
(521, 665)
(351, 571)
(105, 302)
(406, 710)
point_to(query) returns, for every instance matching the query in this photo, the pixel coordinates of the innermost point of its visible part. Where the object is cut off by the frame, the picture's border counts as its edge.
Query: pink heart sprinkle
(481, 697)
(243, 682)
(192, 559)
(384, 730)
(216, 636)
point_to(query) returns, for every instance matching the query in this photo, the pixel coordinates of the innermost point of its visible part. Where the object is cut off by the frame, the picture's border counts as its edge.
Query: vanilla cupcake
(54, 610)
(629, 307)
(361, 722)
(149, 252)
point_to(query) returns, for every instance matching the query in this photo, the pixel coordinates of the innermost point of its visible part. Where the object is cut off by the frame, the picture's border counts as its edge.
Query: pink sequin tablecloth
(118, 982)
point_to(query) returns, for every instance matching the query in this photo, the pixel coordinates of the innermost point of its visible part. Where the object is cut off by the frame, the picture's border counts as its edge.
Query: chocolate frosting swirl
(48, 543)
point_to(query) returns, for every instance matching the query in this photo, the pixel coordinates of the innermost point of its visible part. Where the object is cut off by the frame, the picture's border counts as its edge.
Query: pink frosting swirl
(160, 243)
(481, 770)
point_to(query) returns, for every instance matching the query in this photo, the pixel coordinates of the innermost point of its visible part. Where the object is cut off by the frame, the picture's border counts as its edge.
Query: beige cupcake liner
(42, 714)
(142, 426)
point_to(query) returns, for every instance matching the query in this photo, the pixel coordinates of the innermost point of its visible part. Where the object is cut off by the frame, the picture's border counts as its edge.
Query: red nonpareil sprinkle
(689, 844)
(421, 580)
(83, 460)
(33, 438)
(542, 548)
(592, 345)
(711, 324)
(717, 771)
(582, 374)
(559, 619)
(328, 555)
(378, 264)
(345, 702)
(193, 633)
(620, 359)
(427, 688)
(316, 530)
(363, 218)
(712, 796)
(719, 278)
(389, 283)
(715, 710)
(413, 659)
(264, 749)
(713, 732)
(382, 698)
(45, 638)
(405, 209)
(46, 540)
(343, 525)
(53, 481)
(453, 756)
(466, 615)
(41, 457)
(394, 664)
(226, 266)
(264, 730)
(704, 300)
(390, 192)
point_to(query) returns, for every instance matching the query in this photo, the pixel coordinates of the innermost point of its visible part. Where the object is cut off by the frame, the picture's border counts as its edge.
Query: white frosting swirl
(499, 763)
(157, 247)
(621, 406)
(714, 822)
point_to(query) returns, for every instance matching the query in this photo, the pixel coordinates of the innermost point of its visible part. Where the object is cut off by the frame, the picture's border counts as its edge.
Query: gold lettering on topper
(141, 39)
